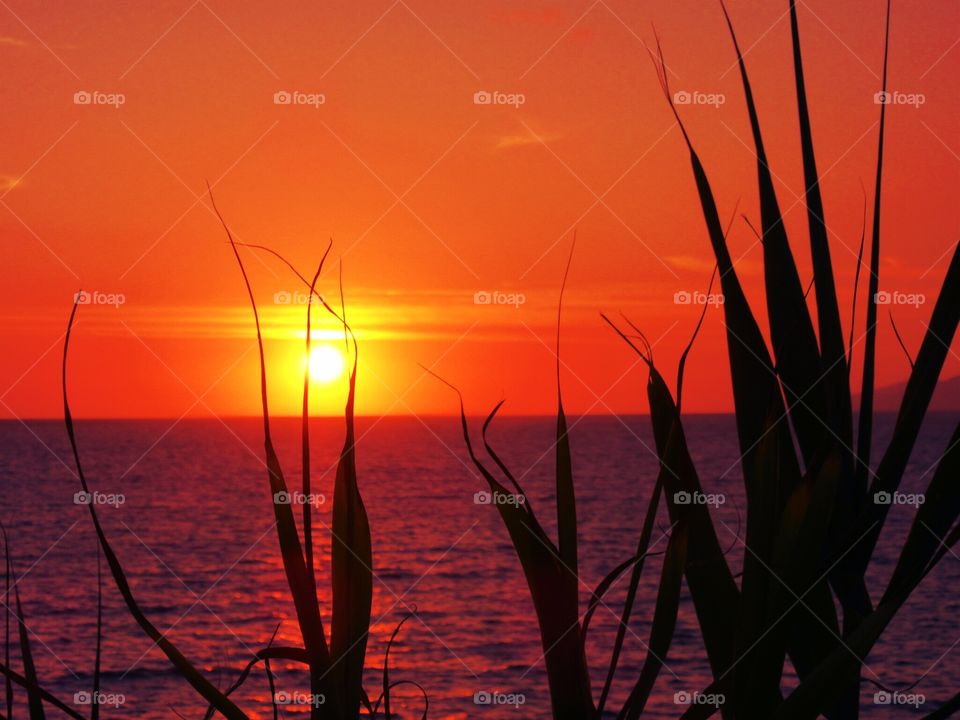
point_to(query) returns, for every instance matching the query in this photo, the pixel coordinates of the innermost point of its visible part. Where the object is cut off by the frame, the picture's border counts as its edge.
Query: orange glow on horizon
(450, 151)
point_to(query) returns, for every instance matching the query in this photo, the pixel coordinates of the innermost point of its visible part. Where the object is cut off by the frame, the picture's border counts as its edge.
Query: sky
(368, 124)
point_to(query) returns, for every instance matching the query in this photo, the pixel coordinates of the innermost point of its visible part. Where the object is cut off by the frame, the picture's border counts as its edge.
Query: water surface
(196, 538)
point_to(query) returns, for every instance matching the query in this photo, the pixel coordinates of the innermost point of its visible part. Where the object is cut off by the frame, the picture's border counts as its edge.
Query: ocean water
(195, 535)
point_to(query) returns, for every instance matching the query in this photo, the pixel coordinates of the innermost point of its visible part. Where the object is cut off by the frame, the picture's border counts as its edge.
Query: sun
(326, 363)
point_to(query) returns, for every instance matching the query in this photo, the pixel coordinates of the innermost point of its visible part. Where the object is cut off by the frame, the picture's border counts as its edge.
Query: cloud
(15, 42)
(690, 262)
(705, 264)
(506, 142)
(8, 182)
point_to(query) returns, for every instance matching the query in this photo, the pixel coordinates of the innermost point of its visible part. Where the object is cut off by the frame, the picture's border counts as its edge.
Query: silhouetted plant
(813, 516)
(335, 669)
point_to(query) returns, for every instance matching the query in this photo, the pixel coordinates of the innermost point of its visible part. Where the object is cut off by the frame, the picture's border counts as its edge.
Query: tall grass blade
(547, 579)
(351, 559)
(305, 433)
(95, 705)
(757, 398)
(913, 407)
(418, 686)
(768, 459)
(842, 667)
(664, 620)
(566, 497)
(351, 551)
(808, 630)
(948, 709)
(603, 586)
(836, 382)
(34, 696)
(528, 503)
(716, 597)
(271, 686)
(292, 654)
(865, 425)
(203, 686)
(8, 683)
(896, 333)
(661, 625)
(302, 589)
(643, 546)
(856, 287)
(791, 329)
(45, 695)
(933, 521)
(385, 693)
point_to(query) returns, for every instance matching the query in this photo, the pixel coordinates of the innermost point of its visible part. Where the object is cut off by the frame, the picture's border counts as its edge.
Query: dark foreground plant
(335, 667)
(815, 509)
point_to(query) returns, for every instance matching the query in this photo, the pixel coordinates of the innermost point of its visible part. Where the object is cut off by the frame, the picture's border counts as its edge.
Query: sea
(187, 506)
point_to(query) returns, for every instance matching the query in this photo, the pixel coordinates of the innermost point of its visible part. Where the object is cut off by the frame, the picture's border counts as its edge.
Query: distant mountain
(946, 397)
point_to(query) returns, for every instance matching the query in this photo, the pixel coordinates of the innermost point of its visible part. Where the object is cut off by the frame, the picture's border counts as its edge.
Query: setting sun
(326, 363)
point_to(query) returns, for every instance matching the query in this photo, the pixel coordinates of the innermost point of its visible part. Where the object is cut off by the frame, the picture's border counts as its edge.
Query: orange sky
(429, 197)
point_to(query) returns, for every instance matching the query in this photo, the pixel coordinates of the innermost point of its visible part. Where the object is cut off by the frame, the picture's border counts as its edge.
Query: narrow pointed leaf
(301, 584)
(351, 560)
(196, 679)
(791, 329)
